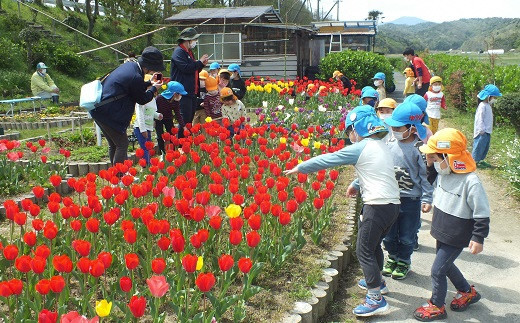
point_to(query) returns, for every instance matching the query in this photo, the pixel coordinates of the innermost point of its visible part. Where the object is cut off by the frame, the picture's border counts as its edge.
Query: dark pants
(117, 143)
(159, 129)
(422, 91)
(443, 266)
(142, 143)
(400, 240)
(374, 224)
(481, 146)
(188, 106)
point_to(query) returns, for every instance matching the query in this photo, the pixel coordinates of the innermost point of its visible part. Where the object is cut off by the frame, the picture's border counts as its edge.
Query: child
(167, 102)
(200, 113)
(460, 219)
(416, 192)
(214, 68)
(369, 96)
(436, 100)
(379, 83)
(422, 104)
(212, 103)
(380, 194)
(143, 126)
(224, 76)
(384, 111)
(338, 76)
(409, 87)
(237, 84)
(484, 124)
(232, 108)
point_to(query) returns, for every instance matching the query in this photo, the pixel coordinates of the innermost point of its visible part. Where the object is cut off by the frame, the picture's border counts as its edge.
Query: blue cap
(489, 90)
(365, 121)
(173, 87)
(408, 113)
(214, 66)
(420, 102)
(369, 92)
(379, 76)
(234, 68)
(41, 65)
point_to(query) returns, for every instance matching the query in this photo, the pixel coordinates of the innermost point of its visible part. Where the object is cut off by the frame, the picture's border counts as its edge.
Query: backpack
(90, 97)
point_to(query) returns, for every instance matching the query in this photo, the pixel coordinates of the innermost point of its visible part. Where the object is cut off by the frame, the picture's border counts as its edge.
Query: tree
(374, 15)
(91, 16)
(59, 4)
(167, 8)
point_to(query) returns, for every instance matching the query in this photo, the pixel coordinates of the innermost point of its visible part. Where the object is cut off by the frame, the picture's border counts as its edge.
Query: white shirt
(144, 115)
(483, 119)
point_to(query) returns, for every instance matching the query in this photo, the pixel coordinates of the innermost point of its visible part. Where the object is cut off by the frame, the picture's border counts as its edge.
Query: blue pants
(481, 146)
(142, 143)
(443, 266)
(400, 240)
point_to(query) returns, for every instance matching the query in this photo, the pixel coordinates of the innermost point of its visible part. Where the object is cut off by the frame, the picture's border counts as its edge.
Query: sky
(435, 11)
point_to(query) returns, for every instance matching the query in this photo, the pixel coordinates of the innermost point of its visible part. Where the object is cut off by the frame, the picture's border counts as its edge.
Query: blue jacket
(126, 79)
(183, 69)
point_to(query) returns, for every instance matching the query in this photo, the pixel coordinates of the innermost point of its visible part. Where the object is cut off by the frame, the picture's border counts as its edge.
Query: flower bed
(189, 237)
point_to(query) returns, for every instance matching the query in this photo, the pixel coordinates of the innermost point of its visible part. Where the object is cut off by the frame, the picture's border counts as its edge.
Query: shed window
(225, 47)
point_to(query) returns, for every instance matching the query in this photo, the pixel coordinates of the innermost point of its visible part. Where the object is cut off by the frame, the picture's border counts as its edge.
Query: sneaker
(371, 307)
(389, 267)
(362, 283)
(430, 312)
(482, 164)
(462, 300)
(401, 270)
(416, 246)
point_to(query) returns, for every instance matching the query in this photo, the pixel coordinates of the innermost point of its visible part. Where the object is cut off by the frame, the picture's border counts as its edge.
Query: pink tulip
(75, 317)
(158, 286)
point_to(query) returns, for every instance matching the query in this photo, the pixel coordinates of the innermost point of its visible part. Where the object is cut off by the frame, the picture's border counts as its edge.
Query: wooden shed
(255, 37)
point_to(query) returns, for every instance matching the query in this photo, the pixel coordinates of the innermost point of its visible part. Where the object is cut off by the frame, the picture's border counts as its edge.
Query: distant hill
(464, 34)
(409, 21)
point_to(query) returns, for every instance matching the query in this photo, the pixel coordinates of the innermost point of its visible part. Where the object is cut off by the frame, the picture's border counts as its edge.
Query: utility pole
(318, 11)
(337, 8)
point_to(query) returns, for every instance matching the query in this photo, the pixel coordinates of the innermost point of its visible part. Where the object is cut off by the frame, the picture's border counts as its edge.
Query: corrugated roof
(246, 13)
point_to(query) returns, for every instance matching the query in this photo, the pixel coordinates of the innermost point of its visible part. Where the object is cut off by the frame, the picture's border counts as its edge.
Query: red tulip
(38, 191)
(37, 224)
(20, 218)
(255, 221)
(97, 268)
(215, 222)
(38, 264)
(253, 239)
(158, 286)
(245, 264)
(291, 206)
(83, 265)
(50, 230)
(189, 262)
(43, 286)
(235, 237)
(158, 265)
(57, 284)
(16, 286)
(29, 238)
(5, 291)
(82, 247)
(10, 252)
(125, 283)
(106, 258)
(130, 235)
(178, 241)
(205, 281)
(137, 306)
(92, 225)
(225, 262)
(318, 203)
(42, 251)
(23, 264)
(46, 316)
(75, 225)
(131, 260)
(34, 210)
(62, 263)
(164, 243)
(55, 180)
(284, 218)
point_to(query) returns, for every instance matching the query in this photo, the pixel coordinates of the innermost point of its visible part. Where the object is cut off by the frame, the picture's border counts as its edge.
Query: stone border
(11, 136)
(336, 262)
(42, 124)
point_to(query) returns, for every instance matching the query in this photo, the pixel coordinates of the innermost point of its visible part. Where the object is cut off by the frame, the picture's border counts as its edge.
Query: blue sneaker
(371, 307)
(363, 285)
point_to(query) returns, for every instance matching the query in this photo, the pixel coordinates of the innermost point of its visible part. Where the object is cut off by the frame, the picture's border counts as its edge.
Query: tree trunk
(38, 2)
(167, 8)
(91, 17)
(59, 4)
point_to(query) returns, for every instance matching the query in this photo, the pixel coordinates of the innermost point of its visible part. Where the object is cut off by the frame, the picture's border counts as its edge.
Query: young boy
(212, 103)
(369, 96)
(409, 87)
(435, 101)
(422, 104)
(168, 102)
(484, 124)
(232, 108)
(379, 83)
(460, 219)
(379, 191)
(214, 68)
(415, 191)
(384, 111)
(237, 84)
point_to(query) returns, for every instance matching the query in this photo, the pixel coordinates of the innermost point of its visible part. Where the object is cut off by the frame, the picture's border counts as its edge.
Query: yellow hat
(323, 87)
(337, 74)
(435, 79)
(408, 72)
(226, 92)
(224, 71)
(453, 143)
(203, 75)
(147, 77)
(211, 83)
(387, 103)
(311, 86)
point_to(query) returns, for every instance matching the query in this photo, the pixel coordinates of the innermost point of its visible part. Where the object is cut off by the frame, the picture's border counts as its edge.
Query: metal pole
(98, 135)
(81, 132)
(337, 8)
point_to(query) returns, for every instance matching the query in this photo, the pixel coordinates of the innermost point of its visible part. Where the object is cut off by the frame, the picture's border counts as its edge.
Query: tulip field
(183, 239)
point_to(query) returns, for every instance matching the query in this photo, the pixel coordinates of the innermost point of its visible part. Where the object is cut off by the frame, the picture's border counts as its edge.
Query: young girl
(168, 102)
(369, 96)
(484, 124)
(436, 100)
(380, 193)
(143, 126)
(379, 83)
(212, 103)
(232, 108)
(237, 84)
(409, 87)
(460, 219)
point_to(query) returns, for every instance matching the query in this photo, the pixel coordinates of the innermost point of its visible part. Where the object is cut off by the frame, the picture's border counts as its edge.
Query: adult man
(185, 70)
(122, 89)
(422, 82)
(42, 85)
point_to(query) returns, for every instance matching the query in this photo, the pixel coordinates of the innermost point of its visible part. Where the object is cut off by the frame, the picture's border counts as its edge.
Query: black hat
(188, 34)
(152, 59)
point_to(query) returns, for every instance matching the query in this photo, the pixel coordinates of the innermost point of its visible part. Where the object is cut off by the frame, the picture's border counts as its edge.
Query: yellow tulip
(208, 119)
(164, 87)
(300, 161)
(305, 142)
(103, 308)
(296, 109)
(317, 145)
(283, 140)
(233, 210)
(200, 263)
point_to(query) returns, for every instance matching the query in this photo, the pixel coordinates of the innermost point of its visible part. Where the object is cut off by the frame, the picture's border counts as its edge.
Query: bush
(398, 63)
(508, 108)
(11, 53)
(358, 65)
(11, 23)
(61, 57)
(13, 84)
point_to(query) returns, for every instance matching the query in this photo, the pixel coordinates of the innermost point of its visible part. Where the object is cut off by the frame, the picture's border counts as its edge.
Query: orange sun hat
(453, 143)
(227, 92)
(211, 83)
